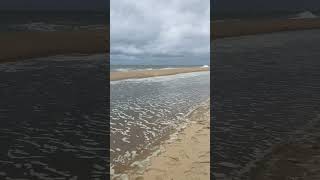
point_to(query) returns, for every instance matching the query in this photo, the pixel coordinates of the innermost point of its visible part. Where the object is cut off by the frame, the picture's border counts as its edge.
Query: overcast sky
(162, 32)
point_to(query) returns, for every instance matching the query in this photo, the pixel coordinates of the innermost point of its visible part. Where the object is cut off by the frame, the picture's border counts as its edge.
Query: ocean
(266, 88)
(144, 112)
(125, 68)
(54, 118)
(52, 20)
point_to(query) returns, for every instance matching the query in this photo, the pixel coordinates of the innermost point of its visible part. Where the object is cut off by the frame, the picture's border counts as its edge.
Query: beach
(156, 117)
(186, 156)
(149, 105)
(114, 76)
(17, 46)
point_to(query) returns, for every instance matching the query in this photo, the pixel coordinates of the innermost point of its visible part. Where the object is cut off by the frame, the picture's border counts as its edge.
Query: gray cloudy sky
(161, 32)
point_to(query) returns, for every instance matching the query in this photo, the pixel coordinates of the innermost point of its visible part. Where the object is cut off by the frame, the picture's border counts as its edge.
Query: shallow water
(265, 87)
(144, 111)
(125, 68)
(54, 118)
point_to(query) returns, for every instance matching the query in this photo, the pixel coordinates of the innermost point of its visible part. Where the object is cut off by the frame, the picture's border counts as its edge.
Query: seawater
(145, 111)
(54, 118)
(125, 68)
(266, 88)
(52, 21)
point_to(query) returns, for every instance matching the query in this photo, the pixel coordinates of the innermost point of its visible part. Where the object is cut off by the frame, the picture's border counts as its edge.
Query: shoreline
(185, 155)
(116, 76)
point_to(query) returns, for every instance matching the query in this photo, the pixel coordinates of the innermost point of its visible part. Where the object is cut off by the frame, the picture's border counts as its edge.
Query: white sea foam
(48, 27)
(125, 139)
(123, 69)
(38, 26)
(305, 15)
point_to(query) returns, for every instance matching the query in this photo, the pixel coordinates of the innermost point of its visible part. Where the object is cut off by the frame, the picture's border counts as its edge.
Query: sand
(297, 158)
(114, 76)
(185, 158)
(290, 161)
(16, 46)
(231, 28)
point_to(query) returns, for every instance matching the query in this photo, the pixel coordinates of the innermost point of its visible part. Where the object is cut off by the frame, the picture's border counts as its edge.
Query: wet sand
(187, 156)
(290, 161)
(298, 158)
(232, 28)
(114, 76)
(17, 46)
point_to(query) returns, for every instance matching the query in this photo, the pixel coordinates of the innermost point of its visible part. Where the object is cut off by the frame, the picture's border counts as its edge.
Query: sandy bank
(152, 73)
(23, 45)
(230, 28)
(188, 156)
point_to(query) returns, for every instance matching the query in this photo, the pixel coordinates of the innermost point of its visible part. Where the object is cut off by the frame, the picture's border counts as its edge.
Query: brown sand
(230, 28)
(298, 158)
(23, 45)
(186, 158)
(290, 161)
(152, 73)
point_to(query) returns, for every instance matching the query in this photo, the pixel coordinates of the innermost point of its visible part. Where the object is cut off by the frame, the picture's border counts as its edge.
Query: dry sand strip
(17, 46)
(114, 76)
(186, 158)
(232, 28)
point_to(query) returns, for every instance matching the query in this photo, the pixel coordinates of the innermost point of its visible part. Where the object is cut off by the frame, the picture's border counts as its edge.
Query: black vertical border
(211, 3)
(107, 41)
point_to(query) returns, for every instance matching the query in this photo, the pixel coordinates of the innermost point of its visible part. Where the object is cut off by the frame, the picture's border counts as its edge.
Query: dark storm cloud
(53, 4)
